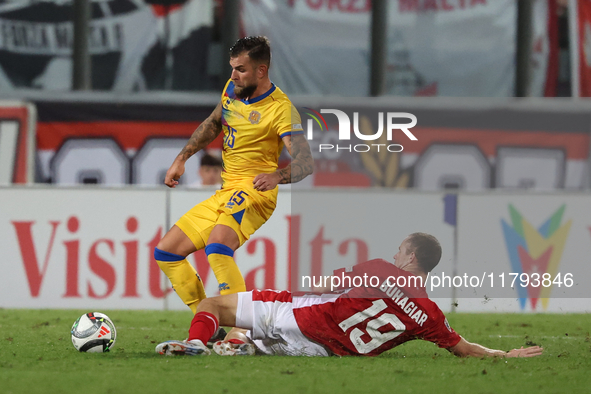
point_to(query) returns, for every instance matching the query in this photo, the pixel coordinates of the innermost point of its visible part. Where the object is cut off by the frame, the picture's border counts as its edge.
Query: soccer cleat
(183, 348)
(219, 335)
(233, 347)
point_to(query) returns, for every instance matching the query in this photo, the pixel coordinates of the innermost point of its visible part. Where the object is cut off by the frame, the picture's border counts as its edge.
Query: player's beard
(245, 92)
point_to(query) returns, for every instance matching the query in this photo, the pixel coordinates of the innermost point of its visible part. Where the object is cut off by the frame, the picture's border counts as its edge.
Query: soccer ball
(94, 333)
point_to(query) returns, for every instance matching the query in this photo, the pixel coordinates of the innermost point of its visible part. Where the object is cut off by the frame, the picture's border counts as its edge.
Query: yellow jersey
(253, 132)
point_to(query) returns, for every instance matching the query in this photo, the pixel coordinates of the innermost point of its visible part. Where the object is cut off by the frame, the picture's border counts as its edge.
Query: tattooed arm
(205, 133)
(302, 165)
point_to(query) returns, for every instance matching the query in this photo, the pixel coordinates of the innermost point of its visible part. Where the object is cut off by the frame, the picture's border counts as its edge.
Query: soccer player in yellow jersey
(256, 118)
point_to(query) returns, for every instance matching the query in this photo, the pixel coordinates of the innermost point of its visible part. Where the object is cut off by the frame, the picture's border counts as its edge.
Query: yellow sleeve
(288, 120)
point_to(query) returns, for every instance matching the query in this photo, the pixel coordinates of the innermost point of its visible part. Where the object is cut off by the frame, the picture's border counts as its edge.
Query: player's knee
(162, 245)
(177, 242)
(225, 235)
(207, 305)
(163, 258)
(212, 304)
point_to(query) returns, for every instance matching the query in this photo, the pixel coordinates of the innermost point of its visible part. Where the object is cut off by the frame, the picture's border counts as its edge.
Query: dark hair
(258, 49)
(209, 160)
(427, 250)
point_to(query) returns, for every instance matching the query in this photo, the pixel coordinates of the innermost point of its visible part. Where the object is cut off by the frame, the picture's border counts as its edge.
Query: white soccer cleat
(183, 348)
(233, 347)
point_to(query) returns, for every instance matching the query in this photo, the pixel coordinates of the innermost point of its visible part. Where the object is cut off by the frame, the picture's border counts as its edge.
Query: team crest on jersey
(254, 117)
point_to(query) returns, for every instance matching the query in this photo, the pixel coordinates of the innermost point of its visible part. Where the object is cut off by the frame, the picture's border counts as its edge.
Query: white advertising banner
(91, 248)
(462, 48)
(81, 248)
(524, 253)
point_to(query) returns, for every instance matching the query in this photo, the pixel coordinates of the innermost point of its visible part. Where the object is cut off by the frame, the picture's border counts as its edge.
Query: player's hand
(532, 351)
(174, 173)
(264, 182)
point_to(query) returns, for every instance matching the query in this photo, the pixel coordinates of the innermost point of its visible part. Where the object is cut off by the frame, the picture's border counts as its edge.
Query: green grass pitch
(37, 356)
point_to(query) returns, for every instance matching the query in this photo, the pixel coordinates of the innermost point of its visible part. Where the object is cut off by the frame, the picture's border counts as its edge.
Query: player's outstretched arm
(201, 137)
(467, 349)
(302, 165)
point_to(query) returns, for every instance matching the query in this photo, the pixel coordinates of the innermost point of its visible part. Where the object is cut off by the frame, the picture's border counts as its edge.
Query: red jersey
(371, 320)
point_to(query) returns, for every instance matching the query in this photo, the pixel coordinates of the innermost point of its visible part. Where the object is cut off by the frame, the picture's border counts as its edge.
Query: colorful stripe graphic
(534, 250)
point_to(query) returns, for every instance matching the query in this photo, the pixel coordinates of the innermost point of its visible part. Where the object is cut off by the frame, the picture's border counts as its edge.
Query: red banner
(16, 151)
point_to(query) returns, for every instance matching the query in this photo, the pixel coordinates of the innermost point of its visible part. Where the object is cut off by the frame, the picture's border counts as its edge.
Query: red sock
(203, 326)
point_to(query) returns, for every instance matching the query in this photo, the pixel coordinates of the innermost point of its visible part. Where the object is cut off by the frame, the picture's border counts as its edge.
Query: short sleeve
(288, 120)
(442, 334)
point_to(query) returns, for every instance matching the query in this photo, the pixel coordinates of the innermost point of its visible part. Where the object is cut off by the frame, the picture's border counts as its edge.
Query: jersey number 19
(377, 338)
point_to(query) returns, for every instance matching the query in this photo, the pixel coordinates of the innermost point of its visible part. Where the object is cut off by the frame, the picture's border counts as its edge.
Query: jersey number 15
(230, 137)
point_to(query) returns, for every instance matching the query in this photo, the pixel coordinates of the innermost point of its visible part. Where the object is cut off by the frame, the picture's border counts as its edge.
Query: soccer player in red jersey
(355, 321)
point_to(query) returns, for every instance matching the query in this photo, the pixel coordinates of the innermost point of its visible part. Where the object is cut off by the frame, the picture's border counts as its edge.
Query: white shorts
(268, 317)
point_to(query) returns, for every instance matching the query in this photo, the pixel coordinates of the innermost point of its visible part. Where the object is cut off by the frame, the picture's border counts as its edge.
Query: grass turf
(36, 356)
